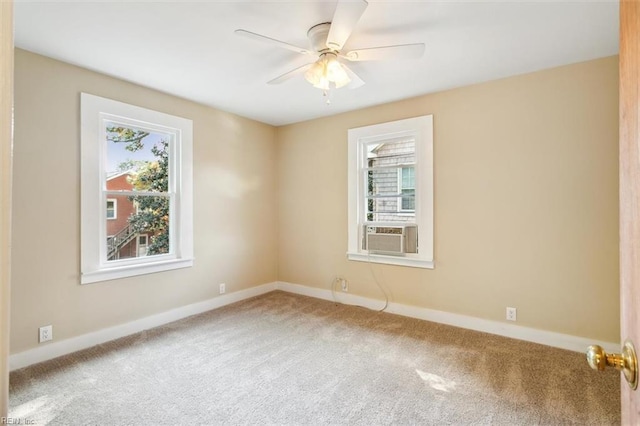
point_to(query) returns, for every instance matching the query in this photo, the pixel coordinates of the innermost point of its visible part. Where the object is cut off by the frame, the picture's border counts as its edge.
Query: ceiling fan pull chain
(327, 94)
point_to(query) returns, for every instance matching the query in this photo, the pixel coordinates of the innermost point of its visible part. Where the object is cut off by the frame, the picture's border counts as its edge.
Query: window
(407, 185)
(137, 162)
(112, 209)
(391, 192)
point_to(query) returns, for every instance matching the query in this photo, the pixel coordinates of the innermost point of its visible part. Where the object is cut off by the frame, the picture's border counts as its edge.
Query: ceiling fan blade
(289, 74)
(345, 18)
(272, 41)
(355, 80)
(401, 51)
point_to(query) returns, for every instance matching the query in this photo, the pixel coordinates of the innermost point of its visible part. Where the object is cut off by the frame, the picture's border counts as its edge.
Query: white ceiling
(189, 49)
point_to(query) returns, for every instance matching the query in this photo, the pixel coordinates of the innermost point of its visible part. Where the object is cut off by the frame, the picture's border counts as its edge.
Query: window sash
(385, 199)
(105, 255)
(173, 136)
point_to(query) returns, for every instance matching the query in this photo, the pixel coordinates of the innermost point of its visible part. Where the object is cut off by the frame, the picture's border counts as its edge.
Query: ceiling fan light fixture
(327, 40)
(326, 71)
(336, 73)
(315, 73)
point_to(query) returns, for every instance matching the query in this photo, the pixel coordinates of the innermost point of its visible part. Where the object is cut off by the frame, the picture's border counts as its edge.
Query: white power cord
(339, 279)
(373, 274)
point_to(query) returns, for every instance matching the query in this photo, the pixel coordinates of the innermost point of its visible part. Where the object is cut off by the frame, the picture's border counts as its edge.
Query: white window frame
(115, 209)
(421, 129)
(95, 112)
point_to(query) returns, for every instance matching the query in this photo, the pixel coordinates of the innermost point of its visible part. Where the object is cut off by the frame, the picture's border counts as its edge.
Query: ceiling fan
(327, 40)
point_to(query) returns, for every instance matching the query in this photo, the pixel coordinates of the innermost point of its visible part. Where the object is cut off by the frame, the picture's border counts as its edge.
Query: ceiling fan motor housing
(318, 37)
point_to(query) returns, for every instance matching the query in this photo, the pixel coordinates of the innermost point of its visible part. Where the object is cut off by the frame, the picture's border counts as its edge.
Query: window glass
(389, 179)
(138, 167)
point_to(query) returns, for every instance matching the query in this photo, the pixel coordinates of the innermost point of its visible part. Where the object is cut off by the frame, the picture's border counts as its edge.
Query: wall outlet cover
(45, 333)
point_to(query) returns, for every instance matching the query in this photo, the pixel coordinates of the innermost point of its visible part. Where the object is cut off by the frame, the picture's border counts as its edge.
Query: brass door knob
(627, 362)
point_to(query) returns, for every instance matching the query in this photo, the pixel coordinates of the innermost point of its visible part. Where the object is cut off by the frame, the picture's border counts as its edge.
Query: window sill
(133, 270)
(391, 260)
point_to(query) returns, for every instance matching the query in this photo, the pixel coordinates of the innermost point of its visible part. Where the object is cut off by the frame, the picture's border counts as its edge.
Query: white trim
(135, 270)
(391, 260)
(549, 338)
(63, 347)
(67, 346)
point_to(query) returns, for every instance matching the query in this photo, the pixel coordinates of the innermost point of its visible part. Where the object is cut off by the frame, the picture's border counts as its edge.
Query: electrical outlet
(45, 333)
(223, 288)
(511, 314)
(345, 284)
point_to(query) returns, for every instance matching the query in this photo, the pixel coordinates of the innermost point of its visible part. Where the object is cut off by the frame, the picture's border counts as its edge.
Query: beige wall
(234, 207)
(526, 201)
(6, 117)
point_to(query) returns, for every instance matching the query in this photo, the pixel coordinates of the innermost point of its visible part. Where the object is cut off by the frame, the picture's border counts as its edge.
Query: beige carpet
(287, 359)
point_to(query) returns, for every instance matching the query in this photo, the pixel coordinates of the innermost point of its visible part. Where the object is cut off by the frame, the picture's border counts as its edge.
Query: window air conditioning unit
(390, 239)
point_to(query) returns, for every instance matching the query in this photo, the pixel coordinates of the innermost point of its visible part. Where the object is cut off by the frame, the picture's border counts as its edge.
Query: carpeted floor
(287, 359)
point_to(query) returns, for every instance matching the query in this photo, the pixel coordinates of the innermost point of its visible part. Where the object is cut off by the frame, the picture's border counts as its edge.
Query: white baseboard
(549, 338)
(63, 347)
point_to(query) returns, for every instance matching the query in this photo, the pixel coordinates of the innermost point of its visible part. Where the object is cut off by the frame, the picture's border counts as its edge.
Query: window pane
(144, 231)
(136, 159)
(390, 180)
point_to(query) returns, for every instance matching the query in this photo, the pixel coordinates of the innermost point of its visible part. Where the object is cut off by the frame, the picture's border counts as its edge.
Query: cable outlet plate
(45, 333)
(512, 314)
